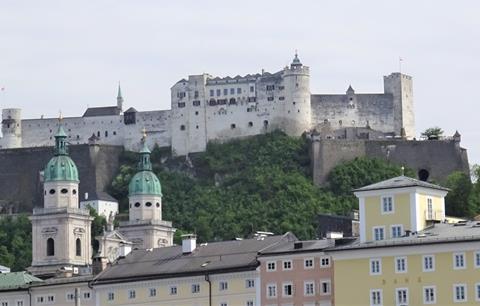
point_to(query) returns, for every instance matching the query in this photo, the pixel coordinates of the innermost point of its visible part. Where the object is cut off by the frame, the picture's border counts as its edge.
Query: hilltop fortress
(206, 108)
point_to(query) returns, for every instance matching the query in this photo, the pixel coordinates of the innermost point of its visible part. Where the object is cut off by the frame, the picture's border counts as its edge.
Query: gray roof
(168, 262)
(131, 110)
(102, 111)
(98, 195)
(401, 182)
(287, 247)
(438, 233)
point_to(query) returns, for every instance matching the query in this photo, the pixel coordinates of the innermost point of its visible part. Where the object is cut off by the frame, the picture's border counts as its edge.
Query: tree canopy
(433, 132)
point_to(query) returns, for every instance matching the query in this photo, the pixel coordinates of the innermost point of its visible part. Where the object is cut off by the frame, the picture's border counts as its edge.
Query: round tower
(297, 109)
(11, 128)
(61, 176)
(144, 190)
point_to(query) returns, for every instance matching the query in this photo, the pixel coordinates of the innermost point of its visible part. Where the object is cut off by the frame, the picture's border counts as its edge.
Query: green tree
(433, 132)
(458, 201)
(98, 225)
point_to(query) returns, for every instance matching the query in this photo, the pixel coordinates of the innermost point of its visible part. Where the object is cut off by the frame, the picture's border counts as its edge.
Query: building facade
(206, 108)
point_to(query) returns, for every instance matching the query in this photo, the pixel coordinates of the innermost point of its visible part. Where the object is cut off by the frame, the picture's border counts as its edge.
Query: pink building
(297, 273)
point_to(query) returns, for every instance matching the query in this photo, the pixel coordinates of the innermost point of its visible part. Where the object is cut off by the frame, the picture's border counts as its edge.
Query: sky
(68, 55)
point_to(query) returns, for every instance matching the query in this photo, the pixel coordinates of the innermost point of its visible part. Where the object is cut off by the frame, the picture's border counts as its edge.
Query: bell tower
(61, 236)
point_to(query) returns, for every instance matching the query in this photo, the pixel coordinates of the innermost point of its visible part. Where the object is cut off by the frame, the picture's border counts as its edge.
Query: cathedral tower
(145, 227)
(60, 230)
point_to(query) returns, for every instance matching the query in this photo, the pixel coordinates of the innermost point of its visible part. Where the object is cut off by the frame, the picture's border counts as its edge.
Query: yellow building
(407, 254)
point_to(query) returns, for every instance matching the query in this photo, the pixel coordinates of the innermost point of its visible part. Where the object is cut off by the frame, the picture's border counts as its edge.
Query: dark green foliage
(458, 201)
(15, 242)
(433, 132)
(98, 225)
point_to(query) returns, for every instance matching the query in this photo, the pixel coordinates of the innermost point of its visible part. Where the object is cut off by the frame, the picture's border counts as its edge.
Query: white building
(103, 203)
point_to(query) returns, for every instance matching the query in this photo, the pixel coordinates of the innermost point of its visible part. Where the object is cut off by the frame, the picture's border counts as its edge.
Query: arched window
(50, 247)
(78, 247)
(265, 123)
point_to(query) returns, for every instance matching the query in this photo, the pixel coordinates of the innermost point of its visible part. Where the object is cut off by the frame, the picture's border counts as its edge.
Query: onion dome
(296, 61)
(144, 182)
(61, 167)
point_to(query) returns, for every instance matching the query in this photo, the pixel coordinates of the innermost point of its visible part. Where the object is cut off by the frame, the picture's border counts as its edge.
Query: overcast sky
(71, 54)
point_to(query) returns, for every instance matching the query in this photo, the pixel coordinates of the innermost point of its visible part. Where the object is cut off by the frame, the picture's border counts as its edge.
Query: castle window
(114, 133)
(181, 94)
(281, 87)
(252, 89)
(50, 247)
(265, 123)
(64, 190)
(78, 136)
(340, 122)
(269, 98)
(212, 92)
(281, 98)
(219, 92)
(196, 127)
(98, 133)
(233, 126)
(196, 113)
(52, 191)
(182, 127)
(148, 204)
(106, 133)
(74, 191)
(225, 91)
(232, 91)
(195, 95)
(250, 124)
(232, 101)
(212, 102)
(196, 103)
(270, 87)
(181, 104)
(239, 90)
(222, 101)
(137, 204)
(78, 247)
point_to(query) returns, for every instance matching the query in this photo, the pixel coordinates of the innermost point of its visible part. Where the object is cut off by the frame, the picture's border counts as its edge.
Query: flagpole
(400, 64)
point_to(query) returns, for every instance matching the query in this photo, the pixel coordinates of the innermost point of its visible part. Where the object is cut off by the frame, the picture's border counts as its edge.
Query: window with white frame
(271, 266)
(111, 296)
(476, 258)
(400, 264)
(378, 233)
(429, 208)
(173, 290)
(325, 262)
(376, 297)
(223, 285)
(477, 292)
(249, 303)
(195, 288)
(459, 261)
(396, 231)
(271, 290)
(20, 303)
(287, 265)
(287, 289)
(87, 295)
(223, 304)
(387, 205)
(428, 263)
(40, 299)
(308, 263)
(3, 303)
(152, 292)
(50, 298)
(375, 266)
(429, 295)
(459, 293)
(132, 294)
(325, 287)
(401, 296)
(249, 283)
(309, 288)
(70, 296)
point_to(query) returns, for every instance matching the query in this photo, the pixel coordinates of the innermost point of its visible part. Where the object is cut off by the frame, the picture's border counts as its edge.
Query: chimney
(189, 243)
(86, 196)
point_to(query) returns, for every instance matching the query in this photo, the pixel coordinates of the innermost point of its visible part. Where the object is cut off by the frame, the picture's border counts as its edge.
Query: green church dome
(61, 167)
(145, 182)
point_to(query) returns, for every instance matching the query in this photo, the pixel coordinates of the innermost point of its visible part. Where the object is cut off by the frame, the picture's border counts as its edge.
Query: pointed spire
(119, 97)
(60, 139)
(350, 89)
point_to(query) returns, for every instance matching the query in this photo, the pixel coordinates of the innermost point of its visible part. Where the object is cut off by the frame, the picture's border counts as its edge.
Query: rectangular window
(269, 98)
(428, 263)
(225, 91)
(232, 91)
(429, 209)
(19, 303)
(281, 98)
(4, 304)
(195, 288)
(396, 231)
(249, 283)
(476, 258)
(195, 94)
(50, 298)
(477, 292)
(287, 265)
(223, 304)
(153, 292)
(181, 104)
(271, 290)
(309, 288)
(212, 92)
(308, 263)
(40, 299)
(111, 296)
(271, 266)
(376, 297)
(378, 233)
(401, 296)
(429, 295)
(196, 103)
(252, 89)
(287, 289)
(459, 293)
(401, 264)
(239, 90)
(87, 295)
(173, 290)
(325, 287)
(132, 294)
(249, 303)
(325, 262)
(219, 92)
(459, 261)
(223, 286)
(375, 266)
(270, 87)
(70, 296)
(387, 205)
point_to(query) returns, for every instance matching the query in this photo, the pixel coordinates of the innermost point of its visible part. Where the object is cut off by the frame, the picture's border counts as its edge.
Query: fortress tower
(11, 128)
(145, 228)
(400, 86)
(61, 230)
(297, 108)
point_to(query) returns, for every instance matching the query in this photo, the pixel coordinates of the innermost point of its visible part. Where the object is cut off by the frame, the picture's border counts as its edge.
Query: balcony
(60, 210)
(434, 215)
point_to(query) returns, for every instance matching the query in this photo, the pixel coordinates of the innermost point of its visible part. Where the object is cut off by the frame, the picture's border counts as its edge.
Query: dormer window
(387, 205)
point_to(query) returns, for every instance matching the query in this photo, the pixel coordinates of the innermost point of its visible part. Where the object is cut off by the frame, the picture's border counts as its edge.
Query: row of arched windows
(62, 191)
